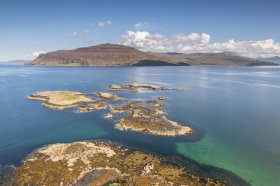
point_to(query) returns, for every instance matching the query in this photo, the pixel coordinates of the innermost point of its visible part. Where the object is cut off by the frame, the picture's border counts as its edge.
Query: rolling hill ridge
(120, 55)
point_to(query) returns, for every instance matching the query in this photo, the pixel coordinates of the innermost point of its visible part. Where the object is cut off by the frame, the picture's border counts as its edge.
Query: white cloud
(261, 48)
(104, 24)
(194, 42)
(36, 54)
(146, 41)
(80, 33)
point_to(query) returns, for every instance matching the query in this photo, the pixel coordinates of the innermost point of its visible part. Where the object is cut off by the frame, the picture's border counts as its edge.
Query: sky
(248, 27)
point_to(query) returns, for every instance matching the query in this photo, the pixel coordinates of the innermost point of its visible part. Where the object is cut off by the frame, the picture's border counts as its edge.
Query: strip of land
(136, 86)
(102, 163)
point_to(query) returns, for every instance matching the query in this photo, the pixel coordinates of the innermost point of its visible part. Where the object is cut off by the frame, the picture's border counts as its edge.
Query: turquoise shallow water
(235, 113)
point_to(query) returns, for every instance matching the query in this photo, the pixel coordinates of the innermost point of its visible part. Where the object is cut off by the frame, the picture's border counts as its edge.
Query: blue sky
(250, 27)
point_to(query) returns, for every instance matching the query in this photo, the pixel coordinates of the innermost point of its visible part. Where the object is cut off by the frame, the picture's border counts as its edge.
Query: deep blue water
(235, 113)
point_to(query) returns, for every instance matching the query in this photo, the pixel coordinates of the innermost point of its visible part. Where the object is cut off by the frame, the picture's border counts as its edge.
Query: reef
(145, 117)
(148, 117)
(102, 163)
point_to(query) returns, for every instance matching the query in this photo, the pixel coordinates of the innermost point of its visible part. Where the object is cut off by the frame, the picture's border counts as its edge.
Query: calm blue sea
(234, 111)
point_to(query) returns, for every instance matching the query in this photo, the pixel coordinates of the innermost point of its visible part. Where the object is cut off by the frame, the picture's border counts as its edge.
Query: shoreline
(276, 65)
(181, 161)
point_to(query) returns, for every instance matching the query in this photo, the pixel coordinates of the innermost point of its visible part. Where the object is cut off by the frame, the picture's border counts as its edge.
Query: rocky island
(102, 163)
(61, 99)
(145, 117)
(148, 119)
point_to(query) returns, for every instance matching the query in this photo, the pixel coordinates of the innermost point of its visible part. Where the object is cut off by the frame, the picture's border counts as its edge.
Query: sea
(234, 112)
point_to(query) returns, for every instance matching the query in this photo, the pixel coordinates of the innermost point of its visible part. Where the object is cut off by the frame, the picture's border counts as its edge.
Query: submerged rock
(6, 172)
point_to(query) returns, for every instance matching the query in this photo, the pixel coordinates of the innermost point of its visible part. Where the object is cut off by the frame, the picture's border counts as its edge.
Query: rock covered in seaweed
(149, 119)
(101, 163)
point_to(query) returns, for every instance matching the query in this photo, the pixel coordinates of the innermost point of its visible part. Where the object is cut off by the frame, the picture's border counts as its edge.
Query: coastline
(193, 167)
(131, 66)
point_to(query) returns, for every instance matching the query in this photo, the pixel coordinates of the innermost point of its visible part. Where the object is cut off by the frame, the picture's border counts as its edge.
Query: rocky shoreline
(102, 163)
(149, 119)
(60, 100)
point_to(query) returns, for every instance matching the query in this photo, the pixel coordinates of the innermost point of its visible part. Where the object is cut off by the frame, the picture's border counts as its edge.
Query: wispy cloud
(80, 33)
(195, 42)
(104, 24)
(142, 26)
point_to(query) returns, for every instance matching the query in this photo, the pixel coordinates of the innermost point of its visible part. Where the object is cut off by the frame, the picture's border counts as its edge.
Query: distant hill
(275, 59)
(103, 55)
(223, 58)
(120, 55)
(15, 62)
